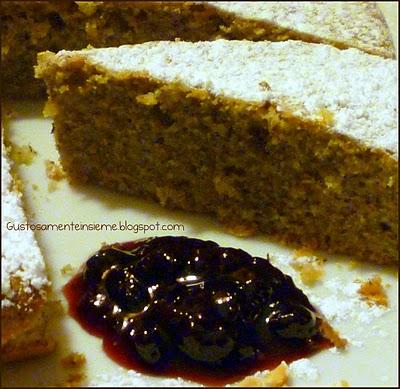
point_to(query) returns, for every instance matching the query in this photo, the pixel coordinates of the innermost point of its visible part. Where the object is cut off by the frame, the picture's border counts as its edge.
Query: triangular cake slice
(24, 283)
(343, 24)
(33, 26)
(292, 139)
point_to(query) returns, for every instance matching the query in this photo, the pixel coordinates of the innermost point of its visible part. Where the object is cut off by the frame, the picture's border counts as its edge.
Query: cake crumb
(277, 377)
(54, 170)
(75, 380)
(331, 334)
(310, 268)
(74, 360)
(373, 292)
(67, 270)
(264, 85)
(23, 155)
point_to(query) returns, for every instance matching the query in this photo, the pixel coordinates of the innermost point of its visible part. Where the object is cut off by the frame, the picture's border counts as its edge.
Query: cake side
(250, 163)
(24, 284)
(34, 26)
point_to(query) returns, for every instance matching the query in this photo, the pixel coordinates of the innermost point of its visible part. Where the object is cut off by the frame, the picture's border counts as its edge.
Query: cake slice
(33, 26)
(292, 139)
(24, 284)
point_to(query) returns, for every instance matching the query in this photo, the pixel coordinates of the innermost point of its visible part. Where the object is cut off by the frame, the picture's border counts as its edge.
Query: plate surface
(370, 360)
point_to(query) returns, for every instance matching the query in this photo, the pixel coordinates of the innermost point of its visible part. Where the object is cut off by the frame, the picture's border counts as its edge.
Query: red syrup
(216, 372)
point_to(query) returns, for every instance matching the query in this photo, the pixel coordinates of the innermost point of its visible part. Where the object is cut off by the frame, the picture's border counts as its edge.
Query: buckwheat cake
(262, 135)
(24, 283)
(29, 27)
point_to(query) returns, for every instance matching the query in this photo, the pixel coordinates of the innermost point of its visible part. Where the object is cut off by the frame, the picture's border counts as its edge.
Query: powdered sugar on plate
(304, 368)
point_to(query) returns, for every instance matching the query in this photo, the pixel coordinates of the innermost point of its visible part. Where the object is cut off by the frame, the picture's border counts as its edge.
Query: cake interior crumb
(373, 292)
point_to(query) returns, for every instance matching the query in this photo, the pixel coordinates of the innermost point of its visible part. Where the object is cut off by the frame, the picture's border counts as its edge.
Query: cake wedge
(25, 288)
(292, 139)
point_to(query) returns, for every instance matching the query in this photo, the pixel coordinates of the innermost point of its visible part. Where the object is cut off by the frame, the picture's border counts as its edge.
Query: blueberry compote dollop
(177, 306)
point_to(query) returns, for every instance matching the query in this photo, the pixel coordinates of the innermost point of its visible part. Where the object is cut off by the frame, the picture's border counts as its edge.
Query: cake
(24, 284)
(29, 27)
(260, 134)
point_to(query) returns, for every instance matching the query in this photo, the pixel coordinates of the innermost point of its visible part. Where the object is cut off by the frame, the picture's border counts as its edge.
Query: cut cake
(29, 27)
(293, 139)
(24, 283)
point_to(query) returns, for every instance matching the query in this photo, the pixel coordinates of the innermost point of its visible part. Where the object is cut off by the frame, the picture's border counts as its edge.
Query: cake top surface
(355, 23)
(20, 257)
(358, 89)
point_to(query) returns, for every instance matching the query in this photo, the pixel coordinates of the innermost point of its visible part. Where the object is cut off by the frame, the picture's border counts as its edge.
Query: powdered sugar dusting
(21, 256)
(304, 369)
(307, 79)
(344, 303)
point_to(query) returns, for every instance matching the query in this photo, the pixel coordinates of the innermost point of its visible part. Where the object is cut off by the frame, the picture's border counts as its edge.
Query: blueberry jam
(175, 306)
